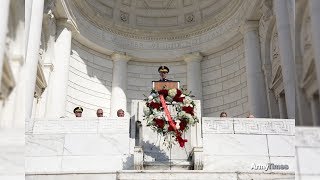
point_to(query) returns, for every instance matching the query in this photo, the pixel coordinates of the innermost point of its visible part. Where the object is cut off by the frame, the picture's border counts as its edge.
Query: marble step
(199, 175)
(161, 175)
(167, 165)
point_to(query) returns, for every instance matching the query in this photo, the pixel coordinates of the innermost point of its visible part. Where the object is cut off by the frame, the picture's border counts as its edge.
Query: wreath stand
(145, 143)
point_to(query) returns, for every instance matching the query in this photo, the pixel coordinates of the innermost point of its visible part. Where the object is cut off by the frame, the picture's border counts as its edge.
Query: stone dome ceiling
(156, 18)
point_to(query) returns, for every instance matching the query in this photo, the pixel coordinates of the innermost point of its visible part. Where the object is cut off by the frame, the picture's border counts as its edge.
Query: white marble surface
(234, 163)
(78, 145)
(91, 163)
(96, 144)
(308, 159)
(162, 175)
(235, 144)
(12, 154)
(44, 145)
(307, 152)
(279, 145)
(44, 164)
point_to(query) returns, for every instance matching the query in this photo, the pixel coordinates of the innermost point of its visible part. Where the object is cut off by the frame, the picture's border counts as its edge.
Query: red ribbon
(171, 124)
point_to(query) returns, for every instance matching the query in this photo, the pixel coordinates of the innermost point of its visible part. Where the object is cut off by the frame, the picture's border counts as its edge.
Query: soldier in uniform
(78, 111)
(163, 71)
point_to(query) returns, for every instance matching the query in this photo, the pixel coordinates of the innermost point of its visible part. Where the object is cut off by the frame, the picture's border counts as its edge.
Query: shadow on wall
(127, 163)
(90, 81)
(153, 152)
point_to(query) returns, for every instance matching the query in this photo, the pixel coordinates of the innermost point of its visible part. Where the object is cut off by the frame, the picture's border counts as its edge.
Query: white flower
(178, 124)
(146, 111)
(187, 100)
(172, 92)
(150, 97)
(188, 116)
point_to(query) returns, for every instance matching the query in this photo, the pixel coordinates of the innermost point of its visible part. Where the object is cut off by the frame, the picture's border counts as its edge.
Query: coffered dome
(156, 18)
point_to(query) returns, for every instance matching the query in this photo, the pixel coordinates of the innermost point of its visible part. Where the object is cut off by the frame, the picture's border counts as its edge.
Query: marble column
(27, 18)
(282, 107)
(32, 56)
(314, 6)
(257, 96)
(4, 13)
(194, 82)
(286, 54)
(57, 97)
(315, 110)
(119, 83)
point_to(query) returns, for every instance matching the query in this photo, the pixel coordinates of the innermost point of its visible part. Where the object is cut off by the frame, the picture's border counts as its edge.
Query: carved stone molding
(248, 126)
(138, 158)
(87, 12)
(197, 158)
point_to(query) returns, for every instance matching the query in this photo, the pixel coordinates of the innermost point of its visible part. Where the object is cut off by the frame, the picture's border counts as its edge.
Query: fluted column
(58, 83)
(286, 54)
(314, 6)
(282, 107)
(119, 83)
(194, 82)
(27, 18)
(257, 95)
(32, 56)
(3, 30)
(315, 110)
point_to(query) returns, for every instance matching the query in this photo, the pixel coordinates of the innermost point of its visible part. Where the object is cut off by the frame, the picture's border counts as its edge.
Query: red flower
(183, 125)
(159, 123)
(155, 105)
(178, 99)
(164, 92)
(179, 92)
(188, 110)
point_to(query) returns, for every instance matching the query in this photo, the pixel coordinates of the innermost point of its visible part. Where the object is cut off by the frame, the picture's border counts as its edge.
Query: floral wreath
(158, 117)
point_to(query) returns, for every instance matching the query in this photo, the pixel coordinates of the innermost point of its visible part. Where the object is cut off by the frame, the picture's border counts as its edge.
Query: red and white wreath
(158, 117)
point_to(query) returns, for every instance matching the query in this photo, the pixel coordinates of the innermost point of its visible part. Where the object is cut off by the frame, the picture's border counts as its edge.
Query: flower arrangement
(159, 118)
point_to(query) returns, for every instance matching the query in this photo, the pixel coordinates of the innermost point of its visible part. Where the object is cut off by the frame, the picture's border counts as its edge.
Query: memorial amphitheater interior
(242, 57)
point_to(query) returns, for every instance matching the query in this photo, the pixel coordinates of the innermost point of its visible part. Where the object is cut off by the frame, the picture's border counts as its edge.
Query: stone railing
(78, 145)
(248, 145)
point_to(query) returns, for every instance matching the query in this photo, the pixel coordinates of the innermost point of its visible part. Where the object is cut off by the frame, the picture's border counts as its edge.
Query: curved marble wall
(224, 82)
(90, 80)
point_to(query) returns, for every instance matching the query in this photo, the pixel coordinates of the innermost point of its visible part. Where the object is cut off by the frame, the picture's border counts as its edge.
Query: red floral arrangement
(159, 118)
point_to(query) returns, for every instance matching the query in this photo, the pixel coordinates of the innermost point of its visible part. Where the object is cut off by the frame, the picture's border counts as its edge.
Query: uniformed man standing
(163, 71)
(78, 111)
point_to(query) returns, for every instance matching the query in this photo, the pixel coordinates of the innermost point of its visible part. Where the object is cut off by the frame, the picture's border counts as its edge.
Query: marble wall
(224, 82)
(307, 150)
(241, 144)
(90, 79)
(78, 145)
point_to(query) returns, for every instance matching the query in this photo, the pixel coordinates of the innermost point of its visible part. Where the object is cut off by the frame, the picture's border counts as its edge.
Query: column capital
(194, 56)
(67, 23)
(249, 25)
(120, 56)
